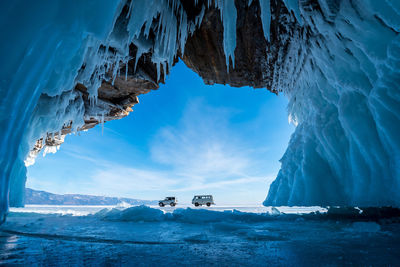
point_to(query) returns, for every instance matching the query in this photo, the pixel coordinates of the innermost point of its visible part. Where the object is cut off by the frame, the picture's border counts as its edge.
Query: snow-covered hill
(45, 198)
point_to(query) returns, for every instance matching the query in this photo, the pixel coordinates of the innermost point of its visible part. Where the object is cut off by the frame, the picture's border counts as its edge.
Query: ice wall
(43, 46)
(343, 74)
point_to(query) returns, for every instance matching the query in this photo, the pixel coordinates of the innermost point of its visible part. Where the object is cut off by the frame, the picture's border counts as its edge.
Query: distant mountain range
(46, 198)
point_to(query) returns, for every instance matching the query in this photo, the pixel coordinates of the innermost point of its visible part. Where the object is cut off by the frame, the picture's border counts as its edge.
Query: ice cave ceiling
(69, 65)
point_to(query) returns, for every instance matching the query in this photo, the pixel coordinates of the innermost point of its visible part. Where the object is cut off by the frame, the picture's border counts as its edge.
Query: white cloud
(201, 144)
(204, 151)
(224, 184)
(117, 178)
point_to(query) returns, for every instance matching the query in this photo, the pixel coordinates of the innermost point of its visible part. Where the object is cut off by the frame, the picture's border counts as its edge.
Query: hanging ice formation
(340, 73)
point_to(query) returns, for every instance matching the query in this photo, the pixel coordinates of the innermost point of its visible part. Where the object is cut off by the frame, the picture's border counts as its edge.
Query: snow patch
(133, 214)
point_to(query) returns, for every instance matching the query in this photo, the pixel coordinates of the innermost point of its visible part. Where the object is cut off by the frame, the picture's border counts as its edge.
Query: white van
(172, 201)
(203, 200)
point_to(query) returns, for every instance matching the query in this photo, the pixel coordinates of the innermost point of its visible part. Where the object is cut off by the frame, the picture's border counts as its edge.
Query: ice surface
(365, 227)
(146, 236)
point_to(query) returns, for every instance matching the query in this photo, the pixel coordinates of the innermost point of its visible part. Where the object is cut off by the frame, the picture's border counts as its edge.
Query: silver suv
(203, 200)
(172, 201)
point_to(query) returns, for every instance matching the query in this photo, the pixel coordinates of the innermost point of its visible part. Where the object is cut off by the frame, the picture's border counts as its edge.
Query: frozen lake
(220, 236)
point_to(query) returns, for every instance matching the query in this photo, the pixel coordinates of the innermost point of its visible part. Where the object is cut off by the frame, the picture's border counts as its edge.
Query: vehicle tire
(161, 204)
(196, 204)
(172, 204)
(208, 204)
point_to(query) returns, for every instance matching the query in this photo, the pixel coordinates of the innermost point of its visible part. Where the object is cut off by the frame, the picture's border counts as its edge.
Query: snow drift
(187, 215)
(201, 216)
(339, 69)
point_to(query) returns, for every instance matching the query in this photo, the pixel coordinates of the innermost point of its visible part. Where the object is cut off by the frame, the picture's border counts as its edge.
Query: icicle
(115, 72)
(293, 5)
(102, 123)
(266, 17)
(164, 65)
(126, 70)
(183, 32)
(228, 13)
(138, 55)
(199, 18)
(158, 71)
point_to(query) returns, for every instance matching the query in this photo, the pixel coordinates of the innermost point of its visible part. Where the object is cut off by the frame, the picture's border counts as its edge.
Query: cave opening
(67, 66)
(183, 139)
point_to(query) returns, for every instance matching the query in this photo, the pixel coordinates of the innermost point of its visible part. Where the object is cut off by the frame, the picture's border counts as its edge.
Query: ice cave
(67, 66)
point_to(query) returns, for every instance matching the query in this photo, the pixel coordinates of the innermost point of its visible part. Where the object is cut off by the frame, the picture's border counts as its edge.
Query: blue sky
(185, 138)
